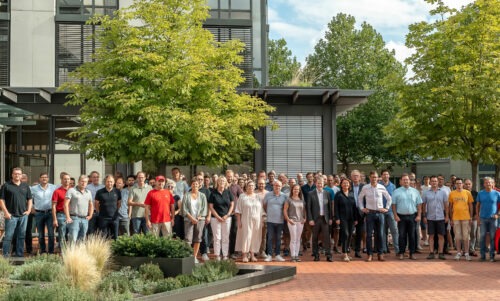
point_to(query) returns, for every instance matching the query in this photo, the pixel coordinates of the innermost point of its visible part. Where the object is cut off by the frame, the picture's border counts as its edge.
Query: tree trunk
(474, 166)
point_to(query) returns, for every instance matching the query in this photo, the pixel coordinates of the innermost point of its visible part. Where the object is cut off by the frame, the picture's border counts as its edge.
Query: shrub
(150, 246)
(39, 271)
(56, 292)
(215, 270)
(100, 248)
(115, 282)
(168, 284)
(151, 272)
(80, 268)
(45, 258)
(187, 280)
(5, 268)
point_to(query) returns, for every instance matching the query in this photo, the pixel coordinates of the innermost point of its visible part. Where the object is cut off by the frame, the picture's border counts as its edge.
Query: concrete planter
(170, 267)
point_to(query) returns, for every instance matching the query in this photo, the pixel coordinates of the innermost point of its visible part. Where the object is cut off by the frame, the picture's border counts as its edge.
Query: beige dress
(248, 236)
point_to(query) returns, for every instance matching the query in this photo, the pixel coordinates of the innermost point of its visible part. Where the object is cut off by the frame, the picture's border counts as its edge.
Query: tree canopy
(350, 58)
(160, 88)
(451, 108)
(283, 68)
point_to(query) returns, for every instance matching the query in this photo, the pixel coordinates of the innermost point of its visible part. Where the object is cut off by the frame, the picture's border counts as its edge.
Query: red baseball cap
(160, 178)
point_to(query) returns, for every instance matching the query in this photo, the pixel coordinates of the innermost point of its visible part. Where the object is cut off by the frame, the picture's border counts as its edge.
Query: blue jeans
(61, 228)
(44, 219)
(77, 229)
(390, 223)
(488, 225)
(15, 225)
(274, 233)
(205, 240)
(139, 225)
(375, 222)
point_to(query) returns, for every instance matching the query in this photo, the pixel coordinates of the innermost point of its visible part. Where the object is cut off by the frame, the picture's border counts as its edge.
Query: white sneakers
(269, 258)
(205, 257)
(279, 258)
(458, 256)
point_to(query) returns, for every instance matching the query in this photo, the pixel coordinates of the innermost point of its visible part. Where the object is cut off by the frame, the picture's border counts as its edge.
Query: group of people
(249, 216)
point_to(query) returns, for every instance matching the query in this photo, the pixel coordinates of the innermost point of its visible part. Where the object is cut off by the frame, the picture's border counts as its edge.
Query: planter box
(170, 267)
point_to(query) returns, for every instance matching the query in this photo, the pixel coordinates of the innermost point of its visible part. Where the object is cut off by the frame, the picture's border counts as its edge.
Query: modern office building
(42, 41)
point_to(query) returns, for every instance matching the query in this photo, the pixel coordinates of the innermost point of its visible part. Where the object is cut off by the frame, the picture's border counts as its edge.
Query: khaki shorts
(461, 229)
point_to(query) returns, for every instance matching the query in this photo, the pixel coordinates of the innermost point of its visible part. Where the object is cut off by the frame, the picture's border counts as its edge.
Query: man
(360, 226)
(273, 205)
(93, 187)
(136, 206)
(79, 209)
(473, 227)
(181, 187)
(261, 194)
(461, 213)
(488, 200)
(271, 176)
(130, 181)
(16, 203)
(390, 222)
(407, 207)
(204, 181)
(447, 237)
(123, 218)
(319, 217)
(107, 202)
(435, 212)
(284, 179)
(58, 216)
(28, 237)
(306, 188)
(161, 205)
(42, 202)
(374, 210)
(332, 188)
(236, 191)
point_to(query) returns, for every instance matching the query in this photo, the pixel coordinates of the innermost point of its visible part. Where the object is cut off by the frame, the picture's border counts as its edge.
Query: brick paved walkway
(390, 280)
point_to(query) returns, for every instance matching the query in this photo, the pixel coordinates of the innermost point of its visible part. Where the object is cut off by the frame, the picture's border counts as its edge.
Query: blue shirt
(406, 200)
(435, 202)
(489, 202)
(274, 207)
(123, 210)
(390, 189)
(332, 191)
(42, 198)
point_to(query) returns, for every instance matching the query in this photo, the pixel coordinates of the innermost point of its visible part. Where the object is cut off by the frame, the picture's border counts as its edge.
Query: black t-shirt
(16, 197)
(221, 202)
(108, 201)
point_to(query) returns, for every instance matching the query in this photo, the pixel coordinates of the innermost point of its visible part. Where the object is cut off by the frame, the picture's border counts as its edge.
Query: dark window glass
(4, 53)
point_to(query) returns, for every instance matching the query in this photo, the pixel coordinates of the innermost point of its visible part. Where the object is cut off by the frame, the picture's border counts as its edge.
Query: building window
(74, 46)
(230, 9)
(86, 7)
(4, 6)
(244, 34)
(4, 53)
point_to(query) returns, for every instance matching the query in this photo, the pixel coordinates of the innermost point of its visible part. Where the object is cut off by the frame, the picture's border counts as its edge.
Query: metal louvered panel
(244, 34)
(296, 146)
(4, 53)
(73, 48)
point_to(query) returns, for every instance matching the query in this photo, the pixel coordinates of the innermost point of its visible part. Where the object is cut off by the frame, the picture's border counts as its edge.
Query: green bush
(54, 292)
(5, 268)
(39, 271)
(215, 270)
(151, 272)
(187, 280)
(167, 284)
(150, 246)
(119, 281)
(45, 258)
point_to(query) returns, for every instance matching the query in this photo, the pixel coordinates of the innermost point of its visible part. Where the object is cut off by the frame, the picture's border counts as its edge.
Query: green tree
(162, 89)
(450, 108)
(283, 68)
(350, 58)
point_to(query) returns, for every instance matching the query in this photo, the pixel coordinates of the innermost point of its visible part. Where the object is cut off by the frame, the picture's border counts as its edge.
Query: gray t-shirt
(296, 210)
(138, 195)
(274, 205)
(79, 201)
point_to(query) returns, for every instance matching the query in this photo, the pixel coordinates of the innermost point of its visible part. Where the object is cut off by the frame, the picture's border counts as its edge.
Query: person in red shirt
(58, 216)
(160, 209)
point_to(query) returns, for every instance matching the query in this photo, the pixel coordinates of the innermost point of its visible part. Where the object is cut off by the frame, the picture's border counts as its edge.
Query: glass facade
(4, 43)
(86, 7)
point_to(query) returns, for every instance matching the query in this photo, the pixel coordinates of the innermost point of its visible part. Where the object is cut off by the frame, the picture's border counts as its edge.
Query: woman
(221, 206)
(345, 214)
(248, 213)
(294, 211)
(194, 210)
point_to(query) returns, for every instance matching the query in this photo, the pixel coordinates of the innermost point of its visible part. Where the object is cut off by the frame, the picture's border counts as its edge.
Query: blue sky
(303, 22)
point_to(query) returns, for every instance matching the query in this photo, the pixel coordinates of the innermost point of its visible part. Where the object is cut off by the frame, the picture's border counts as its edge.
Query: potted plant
(173, 256)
